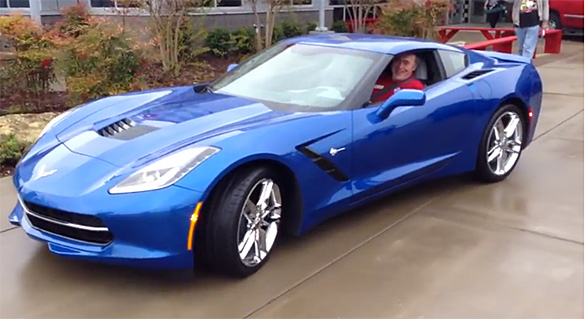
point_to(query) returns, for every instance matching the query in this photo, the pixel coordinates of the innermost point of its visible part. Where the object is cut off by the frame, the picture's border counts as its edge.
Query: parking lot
(447, 249)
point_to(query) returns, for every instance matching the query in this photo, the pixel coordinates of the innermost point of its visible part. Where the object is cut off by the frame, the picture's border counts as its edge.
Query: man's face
(403, 66)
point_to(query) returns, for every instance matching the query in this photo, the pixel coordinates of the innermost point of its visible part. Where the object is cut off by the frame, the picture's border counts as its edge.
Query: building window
(14, 4)
(114, 4)
(223, 3)
(102, 3)
(230, 3)
(301, 2)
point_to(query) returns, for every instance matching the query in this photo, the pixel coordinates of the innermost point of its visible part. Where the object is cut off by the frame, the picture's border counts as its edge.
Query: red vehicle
(567, 15)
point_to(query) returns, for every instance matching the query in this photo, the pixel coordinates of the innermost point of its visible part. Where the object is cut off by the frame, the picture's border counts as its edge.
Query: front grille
(70, 225)
(73, 218)
(97, 237)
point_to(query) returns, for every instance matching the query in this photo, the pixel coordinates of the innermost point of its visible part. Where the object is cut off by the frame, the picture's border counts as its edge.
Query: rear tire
(555, 21)
(501, 145)
(244, 223)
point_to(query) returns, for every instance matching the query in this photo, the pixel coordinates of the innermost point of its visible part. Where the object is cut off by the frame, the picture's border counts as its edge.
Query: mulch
(21, 103)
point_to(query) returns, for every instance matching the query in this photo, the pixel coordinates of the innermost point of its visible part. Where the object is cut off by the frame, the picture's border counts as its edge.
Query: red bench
(502, 38)
(503, 44)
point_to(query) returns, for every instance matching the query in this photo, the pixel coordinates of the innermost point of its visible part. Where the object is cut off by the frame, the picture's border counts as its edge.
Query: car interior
(428, 71)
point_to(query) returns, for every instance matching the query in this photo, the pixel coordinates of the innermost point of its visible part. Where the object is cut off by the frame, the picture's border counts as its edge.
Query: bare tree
(167, 17)
(358, 11)
(273, 7)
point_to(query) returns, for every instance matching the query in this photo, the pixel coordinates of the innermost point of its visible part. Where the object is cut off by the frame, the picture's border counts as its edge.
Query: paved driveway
(449, 249)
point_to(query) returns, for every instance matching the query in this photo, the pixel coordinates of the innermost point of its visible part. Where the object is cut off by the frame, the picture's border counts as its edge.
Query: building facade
(224, 13)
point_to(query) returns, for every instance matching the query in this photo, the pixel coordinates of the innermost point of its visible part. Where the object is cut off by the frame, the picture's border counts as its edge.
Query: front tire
(244, 223)
(501, 145)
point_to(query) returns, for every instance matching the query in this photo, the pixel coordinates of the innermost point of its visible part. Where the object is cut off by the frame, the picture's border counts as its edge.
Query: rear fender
(504, 57)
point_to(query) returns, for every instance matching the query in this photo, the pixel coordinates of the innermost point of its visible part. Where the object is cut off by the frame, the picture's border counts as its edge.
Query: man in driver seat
(399, 76)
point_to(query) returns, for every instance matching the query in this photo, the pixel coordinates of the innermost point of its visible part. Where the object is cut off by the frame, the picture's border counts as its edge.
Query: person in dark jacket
(494, 10)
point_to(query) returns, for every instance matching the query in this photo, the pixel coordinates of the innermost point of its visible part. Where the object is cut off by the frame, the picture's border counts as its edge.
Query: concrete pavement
(449, 249)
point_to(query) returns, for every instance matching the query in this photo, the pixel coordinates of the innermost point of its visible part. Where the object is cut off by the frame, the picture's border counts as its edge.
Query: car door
(573, 13)
(413, 141)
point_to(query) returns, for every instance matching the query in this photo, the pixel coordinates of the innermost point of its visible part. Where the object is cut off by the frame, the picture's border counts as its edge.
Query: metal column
(322, 27)
(35, 10)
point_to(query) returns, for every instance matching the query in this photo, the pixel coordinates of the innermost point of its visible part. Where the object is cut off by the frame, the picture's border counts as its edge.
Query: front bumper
(148, 229)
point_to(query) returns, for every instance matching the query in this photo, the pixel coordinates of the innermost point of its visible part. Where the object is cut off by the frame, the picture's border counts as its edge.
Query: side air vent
(323, 164)
(474, 74)
(125, 129)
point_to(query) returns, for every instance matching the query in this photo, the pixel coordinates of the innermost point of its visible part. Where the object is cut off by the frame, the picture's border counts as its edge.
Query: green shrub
(222, 43)
(30, 71)
(339, 26)
(102, 61)
(243, 40)
(11, 149)
(219, 41)
(311, 26)
(291, 29)
(190, 41)
(287, 29)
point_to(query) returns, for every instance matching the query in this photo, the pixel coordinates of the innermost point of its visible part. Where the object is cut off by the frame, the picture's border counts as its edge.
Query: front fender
(208, 174)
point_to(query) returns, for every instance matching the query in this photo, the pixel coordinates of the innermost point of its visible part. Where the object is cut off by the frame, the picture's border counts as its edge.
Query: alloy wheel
(504, 143)
(259, 222)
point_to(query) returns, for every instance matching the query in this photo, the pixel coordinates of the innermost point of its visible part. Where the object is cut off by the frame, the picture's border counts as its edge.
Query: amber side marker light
(194, 218)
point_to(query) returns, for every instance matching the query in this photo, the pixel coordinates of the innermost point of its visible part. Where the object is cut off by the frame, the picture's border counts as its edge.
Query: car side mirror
(232, 66)
(405, 97)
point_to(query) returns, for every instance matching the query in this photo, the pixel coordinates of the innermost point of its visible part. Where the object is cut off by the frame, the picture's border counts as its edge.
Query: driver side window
(402, 72)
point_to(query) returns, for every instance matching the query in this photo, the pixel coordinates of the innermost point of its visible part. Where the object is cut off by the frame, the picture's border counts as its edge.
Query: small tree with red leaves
(412, 18)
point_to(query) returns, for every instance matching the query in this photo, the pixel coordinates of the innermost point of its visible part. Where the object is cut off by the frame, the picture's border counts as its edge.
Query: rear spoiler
(505, 57)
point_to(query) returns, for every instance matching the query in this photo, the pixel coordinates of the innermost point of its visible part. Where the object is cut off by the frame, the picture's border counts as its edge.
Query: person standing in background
(528, 17)
(493, 11)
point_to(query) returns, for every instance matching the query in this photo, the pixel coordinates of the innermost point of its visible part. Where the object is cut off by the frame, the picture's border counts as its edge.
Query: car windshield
(300, 76)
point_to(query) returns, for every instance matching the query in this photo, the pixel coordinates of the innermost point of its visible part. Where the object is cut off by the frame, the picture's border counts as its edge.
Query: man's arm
(545, 14)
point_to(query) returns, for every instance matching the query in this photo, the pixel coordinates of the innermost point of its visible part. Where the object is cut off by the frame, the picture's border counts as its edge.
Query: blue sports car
(217, 172)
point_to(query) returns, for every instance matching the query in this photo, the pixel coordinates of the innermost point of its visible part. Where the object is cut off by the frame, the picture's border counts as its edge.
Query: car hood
(128, 128)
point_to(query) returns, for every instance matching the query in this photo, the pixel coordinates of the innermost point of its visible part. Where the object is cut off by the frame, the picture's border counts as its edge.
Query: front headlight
(164, 171)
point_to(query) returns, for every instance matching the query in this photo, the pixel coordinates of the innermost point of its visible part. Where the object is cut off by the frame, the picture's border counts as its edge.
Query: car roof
(371, 42)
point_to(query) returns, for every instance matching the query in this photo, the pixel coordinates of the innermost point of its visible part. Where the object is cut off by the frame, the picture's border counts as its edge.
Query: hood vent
(116, 128)
(125, 129)
(474, 74)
